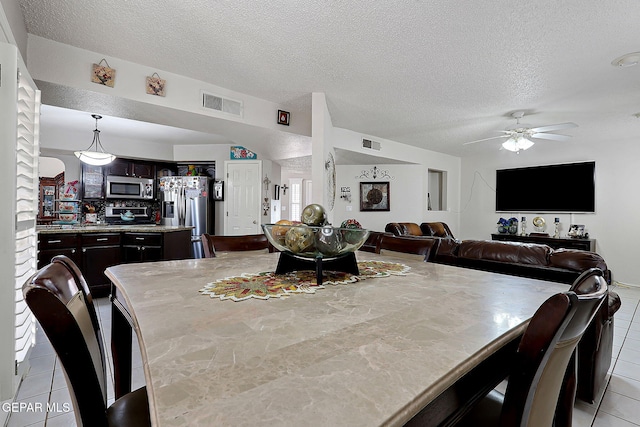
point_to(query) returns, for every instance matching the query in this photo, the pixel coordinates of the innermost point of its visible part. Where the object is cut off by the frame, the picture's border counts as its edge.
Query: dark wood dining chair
(65, 311)
(424, 247)
(248, 242)
(541, 385)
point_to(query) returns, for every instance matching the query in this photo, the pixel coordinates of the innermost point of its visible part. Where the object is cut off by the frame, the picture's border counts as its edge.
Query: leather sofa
(432, 229)
(540, 262)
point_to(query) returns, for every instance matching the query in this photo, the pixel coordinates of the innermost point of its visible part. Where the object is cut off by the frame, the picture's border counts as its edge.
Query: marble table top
(364, 354)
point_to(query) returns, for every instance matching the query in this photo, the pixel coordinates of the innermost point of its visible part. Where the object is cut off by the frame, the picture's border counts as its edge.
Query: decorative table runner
(267, 285)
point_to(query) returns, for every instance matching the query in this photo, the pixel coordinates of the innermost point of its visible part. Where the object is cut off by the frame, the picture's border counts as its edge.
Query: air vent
(219, 103)
(367, 143)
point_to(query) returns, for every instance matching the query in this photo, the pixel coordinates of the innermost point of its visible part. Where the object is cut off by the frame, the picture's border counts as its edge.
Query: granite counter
(134, 228)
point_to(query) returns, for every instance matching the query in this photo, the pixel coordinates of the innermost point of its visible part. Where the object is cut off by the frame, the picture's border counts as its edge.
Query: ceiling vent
(219, 103)
(367, 143)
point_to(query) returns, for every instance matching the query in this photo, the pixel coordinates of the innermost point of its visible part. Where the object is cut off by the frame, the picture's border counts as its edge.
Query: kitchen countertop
(104, 228)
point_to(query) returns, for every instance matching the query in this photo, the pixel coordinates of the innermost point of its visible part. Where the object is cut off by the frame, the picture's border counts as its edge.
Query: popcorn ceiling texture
(428, 73)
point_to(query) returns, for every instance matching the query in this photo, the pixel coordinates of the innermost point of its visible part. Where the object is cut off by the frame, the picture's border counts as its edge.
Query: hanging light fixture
(517, 143)
(95, 157)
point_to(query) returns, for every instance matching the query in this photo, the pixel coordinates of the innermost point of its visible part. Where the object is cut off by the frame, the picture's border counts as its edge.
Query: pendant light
(95, 157)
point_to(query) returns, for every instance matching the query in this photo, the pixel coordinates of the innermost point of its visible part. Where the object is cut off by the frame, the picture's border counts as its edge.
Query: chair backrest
(436, 229)
(423, 247)
(56, 297)
(249, 242)
(546, 351)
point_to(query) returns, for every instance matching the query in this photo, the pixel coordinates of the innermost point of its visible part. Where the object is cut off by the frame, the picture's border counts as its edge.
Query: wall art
(103, 74)
(374, 196)
(283, 117)
(155, 85)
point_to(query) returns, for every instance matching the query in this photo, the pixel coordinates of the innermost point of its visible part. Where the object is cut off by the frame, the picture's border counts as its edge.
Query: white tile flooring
(619, 407)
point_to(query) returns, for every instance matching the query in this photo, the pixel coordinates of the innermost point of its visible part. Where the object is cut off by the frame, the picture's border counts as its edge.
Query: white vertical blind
(295, 200)
(27, 149)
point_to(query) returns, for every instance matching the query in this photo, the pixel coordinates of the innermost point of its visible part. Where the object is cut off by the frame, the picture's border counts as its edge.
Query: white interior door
(242, 203)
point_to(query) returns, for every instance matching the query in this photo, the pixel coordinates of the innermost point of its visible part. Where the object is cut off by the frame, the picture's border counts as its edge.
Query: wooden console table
(556, 243)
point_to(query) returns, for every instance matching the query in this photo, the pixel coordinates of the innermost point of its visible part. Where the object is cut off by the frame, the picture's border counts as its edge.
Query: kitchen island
(96, 247)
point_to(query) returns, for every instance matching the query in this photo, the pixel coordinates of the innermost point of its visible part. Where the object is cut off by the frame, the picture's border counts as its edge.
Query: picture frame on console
(374, 196)
(577, 231)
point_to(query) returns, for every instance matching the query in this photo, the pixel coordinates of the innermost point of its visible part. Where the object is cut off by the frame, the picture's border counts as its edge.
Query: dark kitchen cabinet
(94, 252)
(50, 245)
(141, 247)
(99, 251)
(126, 167)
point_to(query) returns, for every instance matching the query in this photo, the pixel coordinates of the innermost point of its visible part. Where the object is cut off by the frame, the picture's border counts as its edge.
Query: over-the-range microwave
(126, 187)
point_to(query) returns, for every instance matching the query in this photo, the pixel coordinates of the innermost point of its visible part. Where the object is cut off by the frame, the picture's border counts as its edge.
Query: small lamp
(95, 157)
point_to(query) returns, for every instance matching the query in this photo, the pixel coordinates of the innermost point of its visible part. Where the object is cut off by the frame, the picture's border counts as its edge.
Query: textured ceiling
(433, 74)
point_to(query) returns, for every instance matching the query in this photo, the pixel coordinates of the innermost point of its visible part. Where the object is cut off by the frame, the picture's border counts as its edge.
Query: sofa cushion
(511, 252)
(436, 229)
(576, 260)
(411, 229)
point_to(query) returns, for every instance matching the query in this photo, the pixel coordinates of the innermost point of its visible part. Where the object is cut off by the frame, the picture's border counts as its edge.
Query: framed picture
(374, 196)
(283, 117)
(576, 230)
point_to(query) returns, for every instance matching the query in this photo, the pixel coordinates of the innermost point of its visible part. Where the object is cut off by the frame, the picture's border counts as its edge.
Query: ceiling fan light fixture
(516, 144)
(628, 60)
(93, 156)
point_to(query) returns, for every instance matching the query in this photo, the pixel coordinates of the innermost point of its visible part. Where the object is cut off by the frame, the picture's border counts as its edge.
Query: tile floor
(619, 407)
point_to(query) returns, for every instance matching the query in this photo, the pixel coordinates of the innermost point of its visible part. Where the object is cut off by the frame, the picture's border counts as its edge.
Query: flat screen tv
(566, 187)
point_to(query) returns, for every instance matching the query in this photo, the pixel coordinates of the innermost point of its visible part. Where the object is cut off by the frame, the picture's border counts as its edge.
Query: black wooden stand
(289, 262)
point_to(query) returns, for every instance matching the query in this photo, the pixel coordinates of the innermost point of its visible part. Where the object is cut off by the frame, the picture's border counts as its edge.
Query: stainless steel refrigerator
(186, 200)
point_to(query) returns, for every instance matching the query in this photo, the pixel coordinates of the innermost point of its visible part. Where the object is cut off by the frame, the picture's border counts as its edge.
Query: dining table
(403, 341)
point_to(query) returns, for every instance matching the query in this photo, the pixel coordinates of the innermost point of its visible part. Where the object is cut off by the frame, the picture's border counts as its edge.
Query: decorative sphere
(349, 236)
(314, 214)
(300, 239)
(329, 241)
(278, 233)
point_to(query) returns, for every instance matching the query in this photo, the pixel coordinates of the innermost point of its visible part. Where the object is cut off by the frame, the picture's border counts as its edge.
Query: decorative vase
(502, 229)
(513, 229)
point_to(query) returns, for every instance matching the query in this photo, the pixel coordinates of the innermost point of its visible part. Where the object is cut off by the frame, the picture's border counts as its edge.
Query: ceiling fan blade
(550, 128)
(485, 139)
(552, 136)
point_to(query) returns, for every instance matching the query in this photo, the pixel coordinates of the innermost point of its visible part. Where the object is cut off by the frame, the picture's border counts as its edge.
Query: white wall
(50, 167)
(13, 29)
(69, 66)
(406, 195)
(613, 226)
(409, 194)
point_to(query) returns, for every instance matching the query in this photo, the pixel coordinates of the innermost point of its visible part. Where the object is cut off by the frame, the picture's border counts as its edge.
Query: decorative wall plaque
(103, 74)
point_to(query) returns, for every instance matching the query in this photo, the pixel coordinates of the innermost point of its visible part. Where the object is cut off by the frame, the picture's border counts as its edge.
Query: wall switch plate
(349, 208)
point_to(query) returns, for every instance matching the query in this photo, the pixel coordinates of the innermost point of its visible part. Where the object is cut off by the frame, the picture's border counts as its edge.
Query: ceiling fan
(519, 137)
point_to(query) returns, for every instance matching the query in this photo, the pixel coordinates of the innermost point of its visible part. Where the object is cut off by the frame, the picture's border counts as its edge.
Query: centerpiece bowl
(311, 247)
(309, 241)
